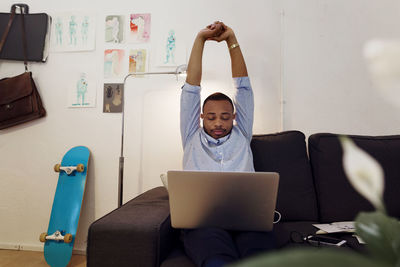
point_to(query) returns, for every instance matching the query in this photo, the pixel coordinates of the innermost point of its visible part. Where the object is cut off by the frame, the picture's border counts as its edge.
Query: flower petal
(364, 172)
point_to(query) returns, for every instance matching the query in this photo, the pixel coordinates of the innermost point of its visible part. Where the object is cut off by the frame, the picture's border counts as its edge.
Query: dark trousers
(217, 247)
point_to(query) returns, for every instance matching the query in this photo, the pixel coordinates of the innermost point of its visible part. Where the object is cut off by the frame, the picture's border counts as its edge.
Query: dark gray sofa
(312, 189)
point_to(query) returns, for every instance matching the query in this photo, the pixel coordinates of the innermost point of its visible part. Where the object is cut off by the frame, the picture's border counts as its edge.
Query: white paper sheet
(336, 227)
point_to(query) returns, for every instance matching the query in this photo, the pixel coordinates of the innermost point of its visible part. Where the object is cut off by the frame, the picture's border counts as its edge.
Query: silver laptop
(243, 201)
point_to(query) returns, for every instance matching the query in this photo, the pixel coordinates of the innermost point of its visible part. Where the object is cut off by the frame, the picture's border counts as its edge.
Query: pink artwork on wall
(113, 63)
(139, 28)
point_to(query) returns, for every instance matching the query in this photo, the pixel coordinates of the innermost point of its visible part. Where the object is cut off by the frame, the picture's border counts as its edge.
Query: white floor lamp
(180, 70)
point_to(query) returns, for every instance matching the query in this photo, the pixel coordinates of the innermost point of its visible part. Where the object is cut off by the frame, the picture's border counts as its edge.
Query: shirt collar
(212, 141)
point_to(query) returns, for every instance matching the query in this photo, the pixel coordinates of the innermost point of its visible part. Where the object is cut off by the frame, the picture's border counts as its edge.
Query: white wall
(323, 77)
(326, 84)
(152, 143)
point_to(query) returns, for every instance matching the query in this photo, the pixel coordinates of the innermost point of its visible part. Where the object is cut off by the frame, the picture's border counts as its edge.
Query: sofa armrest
(139, 233)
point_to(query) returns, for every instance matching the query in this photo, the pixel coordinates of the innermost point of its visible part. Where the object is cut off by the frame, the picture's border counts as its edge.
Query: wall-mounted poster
(72, 32)
(113, 63)
(139, 28)
(82, 92)
(114, 29)
(113, 96)
(171, 50)
(138, 60)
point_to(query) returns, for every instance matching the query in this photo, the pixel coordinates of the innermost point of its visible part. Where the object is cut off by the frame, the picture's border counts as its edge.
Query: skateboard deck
(60, 236)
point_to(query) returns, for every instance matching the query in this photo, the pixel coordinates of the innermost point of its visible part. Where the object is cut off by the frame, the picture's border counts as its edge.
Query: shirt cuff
(242, 82)
(191, 88)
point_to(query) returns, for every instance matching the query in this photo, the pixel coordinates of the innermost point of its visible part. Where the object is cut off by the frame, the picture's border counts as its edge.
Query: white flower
(364, 172)
(383, 60)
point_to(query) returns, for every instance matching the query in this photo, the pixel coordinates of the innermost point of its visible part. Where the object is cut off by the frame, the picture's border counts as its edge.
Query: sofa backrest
(286, 153)
(337, 199)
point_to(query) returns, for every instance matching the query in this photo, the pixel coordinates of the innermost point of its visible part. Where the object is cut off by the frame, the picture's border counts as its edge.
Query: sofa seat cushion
(286, 153)
(337, 199)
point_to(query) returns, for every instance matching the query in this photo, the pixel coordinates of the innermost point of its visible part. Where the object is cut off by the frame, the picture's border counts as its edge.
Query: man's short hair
(218, 97)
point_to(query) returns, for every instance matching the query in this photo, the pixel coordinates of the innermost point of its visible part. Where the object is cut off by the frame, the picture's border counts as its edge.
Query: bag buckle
(9, 106)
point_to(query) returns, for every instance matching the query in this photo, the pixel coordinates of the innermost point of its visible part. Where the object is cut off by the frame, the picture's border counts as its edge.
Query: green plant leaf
(382, 235)
(312, 257)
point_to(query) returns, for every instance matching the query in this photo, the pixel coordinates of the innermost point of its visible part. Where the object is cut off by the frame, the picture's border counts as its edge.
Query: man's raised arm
(194, 69)
(237, 61)
(190, 97)
(244, 100)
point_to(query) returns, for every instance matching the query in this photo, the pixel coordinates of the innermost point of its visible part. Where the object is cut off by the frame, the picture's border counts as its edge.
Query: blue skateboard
(60, 236)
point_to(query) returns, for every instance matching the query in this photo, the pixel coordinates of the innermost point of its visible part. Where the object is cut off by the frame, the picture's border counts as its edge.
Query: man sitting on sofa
(219, 146)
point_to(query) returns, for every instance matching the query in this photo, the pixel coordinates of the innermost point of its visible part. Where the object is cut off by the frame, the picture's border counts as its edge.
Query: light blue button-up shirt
(229, 153)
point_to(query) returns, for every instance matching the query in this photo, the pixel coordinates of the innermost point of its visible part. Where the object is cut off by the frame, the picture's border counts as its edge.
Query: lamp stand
(179, 70)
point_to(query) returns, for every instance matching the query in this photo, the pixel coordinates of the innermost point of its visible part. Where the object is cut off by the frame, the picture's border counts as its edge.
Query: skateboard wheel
(57, 167)
(42, 237)
(68, 238)
(80, 167)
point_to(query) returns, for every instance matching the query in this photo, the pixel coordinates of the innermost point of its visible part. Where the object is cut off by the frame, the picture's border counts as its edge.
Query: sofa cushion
(337, 199)
(286, 154)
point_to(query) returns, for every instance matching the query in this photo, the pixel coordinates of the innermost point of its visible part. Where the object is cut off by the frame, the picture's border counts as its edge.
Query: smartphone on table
(317, 240)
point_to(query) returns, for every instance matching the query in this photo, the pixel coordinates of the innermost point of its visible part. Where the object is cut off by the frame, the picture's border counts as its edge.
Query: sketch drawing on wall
(139, 28)
(85, 30)
(138, 60)
(171, 50)
(81, 90)
(59, 31)
(114, 29)
(113, 94)
(113, 63)
(82, 93)
(73, 32)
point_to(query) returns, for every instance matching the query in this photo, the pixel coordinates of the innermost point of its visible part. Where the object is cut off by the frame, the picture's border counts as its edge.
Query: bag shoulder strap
(5, 34)
(24, 11)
